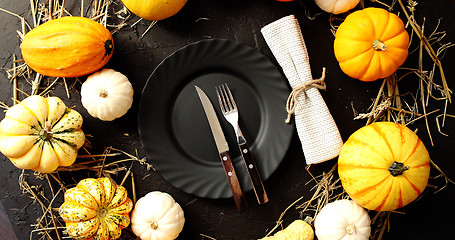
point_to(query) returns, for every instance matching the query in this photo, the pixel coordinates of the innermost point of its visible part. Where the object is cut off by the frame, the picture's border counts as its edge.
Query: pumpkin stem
(308, 220)
(103, 212)
(103, 94)
(108, 47)
(397, 168)
(46, 133)
(154, 225)
(350, 229)
(378, 45)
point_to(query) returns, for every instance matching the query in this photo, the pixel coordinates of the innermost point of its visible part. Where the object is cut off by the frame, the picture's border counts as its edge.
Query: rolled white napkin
(318, 133)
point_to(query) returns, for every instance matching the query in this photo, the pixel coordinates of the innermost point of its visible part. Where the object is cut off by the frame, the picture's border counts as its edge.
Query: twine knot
(291, 103)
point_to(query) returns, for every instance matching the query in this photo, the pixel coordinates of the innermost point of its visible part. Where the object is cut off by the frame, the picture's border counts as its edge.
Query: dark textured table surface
(241, 21)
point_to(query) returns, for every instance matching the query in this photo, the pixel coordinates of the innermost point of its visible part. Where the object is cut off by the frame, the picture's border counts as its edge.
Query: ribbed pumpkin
(337, 6)
(41, 134)
(67, 47)
(371, 44)
(157, 216)
(154, 9)
(342, 220)
(384, 166)
(96, 209)
(107, 94)
(297, 230)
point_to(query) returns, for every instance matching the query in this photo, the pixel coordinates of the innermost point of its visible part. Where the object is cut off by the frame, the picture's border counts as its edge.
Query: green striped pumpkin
(384, 166)
(97, 208)
(41, 134)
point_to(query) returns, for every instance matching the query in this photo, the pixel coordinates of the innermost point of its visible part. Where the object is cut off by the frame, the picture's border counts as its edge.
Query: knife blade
(223, 150)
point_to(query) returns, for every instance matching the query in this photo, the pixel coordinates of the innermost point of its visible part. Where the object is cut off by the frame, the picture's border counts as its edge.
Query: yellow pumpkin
(297, 230)
(384, 166)
(154, 9)
(67, 47)
(371, 44)
(96, 209)
(41, 134)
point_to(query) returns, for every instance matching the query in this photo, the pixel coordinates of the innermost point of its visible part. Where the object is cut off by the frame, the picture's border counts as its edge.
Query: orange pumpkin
(371, 44)
(384, 166)
(154, 9)
(67, 47)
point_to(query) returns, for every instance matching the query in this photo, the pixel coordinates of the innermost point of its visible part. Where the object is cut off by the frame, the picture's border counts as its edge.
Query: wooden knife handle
(239, 198)
(255, 177)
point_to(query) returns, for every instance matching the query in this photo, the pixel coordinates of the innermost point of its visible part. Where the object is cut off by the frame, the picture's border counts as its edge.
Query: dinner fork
(231, 114)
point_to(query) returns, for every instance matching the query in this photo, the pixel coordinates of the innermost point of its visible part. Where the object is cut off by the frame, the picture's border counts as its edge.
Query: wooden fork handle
(239, 197)
(253, 172)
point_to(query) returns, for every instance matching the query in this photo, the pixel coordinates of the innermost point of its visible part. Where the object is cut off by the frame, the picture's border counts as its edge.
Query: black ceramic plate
(174, 129)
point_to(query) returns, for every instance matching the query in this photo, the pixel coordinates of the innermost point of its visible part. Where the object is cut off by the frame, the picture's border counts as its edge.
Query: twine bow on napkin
(318, 133)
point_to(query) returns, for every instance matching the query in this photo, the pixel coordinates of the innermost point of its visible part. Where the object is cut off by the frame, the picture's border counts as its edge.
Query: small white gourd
(156, 216)
(337, 6)
(342, 220)
(107, 94)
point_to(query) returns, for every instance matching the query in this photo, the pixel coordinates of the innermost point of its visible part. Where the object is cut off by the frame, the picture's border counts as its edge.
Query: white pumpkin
(156, 216)
(337, 6)
(342, 220)
(107, 94)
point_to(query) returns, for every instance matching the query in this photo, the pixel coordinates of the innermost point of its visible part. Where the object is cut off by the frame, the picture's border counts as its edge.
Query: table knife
(223, 150)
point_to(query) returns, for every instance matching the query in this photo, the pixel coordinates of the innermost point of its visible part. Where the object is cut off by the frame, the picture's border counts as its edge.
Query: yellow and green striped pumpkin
(96, 209)
(41, 134)
(384, 166)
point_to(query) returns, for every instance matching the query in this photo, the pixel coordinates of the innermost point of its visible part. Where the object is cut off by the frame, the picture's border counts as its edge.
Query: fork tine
(220, 99)
(225, 99)
(231, 98)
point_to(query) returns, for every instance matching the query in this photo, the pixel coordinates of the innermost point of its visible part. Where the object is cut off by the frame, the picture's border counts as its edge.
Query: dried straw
(389, 105)
(98, 163)
(326, 190)
(427, 45)
(50, 226)
(42, 12)
(206, 236)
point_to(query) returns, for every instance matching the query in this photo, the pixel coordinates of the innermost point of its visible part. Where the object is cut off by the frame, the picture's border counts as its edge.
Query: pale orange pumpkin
(371, 44)
(337, 6)
(384, 166)
(67, 47)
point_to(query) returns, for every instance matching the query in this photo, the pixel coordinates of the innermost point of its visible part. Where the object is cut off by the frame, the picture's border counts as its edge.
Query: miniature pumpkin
(96, 209)
(107, 94)
(337, 6)
(342, 219)
(41, 134)
(297, 230)
(67, 47)
(371, 44)
(156, 216)
(384, 166)
(154, 9)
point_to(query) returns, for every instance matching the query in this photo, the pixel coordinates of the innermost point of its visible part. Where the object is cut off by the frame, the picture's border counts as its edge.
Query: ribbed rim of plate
(164, 84)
